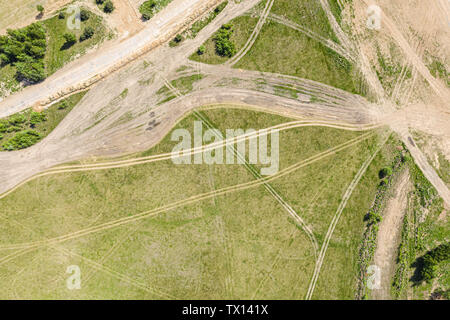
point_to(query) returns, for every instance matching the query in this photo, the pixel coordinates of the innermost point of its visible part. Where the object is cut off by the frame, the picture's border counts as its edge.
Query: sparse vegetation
(151, 7)
(26, 128)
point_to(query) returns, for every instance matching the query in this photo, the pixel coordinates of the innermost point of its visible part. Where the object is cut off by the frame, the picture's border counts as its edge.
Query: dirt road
(97, 65)
(389, 235)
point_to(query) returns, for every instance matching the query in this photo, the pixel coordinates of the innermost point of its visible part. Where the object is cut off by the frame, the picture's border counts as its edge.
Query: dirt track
(388, 237)
(94, 127)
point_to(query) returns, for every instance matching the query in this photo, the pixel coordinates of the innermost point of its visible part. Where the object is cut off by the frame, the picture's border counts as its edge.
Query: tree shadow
(39, 16)
(417, 277)
(66, 45)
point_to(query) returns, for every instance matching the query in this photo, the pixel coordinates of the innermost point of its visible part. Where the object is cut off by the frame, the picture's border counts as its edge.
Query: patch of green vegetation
(151, 7)
(307, 13)
(200, 24)
(186, 84)
(22, 130)
(8, 80)
(439, 70)
(336, 10)
(92, 33)
(286, 92)
(25, 49)
(423, 230)
(242, 29)
(35, 52)
(280, 49)
(176, 41)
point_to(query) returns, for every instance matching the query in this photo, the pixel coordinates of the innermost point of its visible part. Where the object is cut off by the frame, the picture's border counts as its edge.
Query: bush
(63, 105)
(37, 117)
(21, 140)
(224, 46)
(109, 7)
(40, 8)
(61, 15)
(385, 172)
(147, 9)
(87, 33)
(25, 49)
(431, 260)
(30, 71)
(201, 50)
(84, 15)
(70, 39)
(99, 1)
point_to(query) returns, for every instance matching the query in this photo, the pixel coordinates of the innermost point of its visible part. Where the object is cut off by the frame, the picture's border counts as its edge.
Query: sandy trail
(97, 65)
(389, 235)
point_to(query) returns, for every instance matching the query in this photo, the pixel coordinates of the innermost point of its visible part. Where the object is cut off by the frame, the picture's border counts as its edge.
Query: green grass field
(56, 56)
(241, 244)
(279, 49)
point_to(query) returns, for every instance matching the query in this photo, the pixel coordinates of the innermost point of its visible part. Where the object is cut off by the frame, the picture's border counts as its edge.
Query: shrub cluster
(432, 259)
(25, 49)
(224, 46)
(147, 9)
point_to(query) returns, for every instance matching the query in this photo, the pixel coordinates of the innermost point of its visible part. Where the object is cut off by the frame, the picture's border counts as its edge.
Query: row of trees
(25, 49)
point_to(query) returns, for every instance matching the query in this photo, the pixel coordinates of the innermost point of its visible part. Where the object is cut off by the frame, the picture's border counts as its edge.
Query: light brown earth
(389, 236)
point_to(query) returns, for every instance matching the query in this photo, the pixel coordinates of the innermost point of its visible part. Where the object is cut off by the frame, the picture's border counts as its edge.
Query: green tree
(70, 39)
(224, 46)
(201, 50)
(87, 33)
(40, 9)
(37, 117)
(147, 9)
(109, 7)
(84, 15)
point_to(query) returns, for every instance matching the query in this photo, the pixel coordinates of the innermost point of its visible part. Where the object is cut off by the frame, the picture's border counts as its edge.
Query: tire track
(187, 201)
(336, 218)
(262, 20)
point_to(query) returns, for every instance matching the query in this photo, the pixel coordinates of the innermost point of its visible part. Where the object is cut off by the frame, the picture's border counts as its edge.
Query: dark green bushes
(432, 259)
(25, 49)
(147, 9)
(224, 46)
(22, 140)
(109, 7)
(87, 33)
